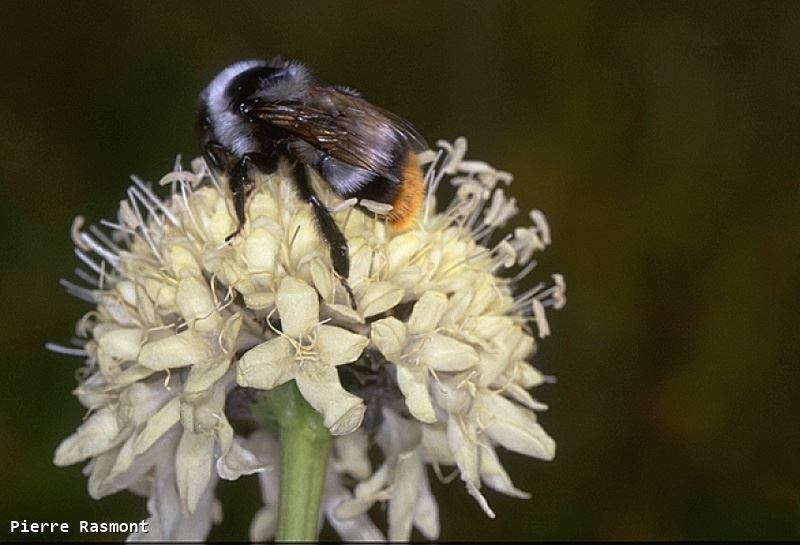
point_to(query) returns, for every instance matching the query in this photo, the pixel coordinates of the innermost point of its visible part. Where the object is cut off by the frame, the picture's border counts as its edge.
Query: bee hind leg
(328, 229)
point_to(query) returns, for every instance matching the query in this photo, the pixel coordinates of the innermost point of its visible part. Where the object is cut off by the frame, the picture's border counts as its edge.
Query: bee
(255, 112)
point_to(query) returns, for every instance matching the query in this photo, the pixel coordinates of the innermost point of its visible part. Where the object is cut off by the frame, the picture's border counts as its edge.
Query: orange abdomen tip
(409, 196)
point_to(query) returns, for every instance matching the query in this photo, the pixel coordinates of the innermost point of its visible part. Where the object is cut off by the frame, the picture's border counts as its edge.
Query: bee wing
(344, 126)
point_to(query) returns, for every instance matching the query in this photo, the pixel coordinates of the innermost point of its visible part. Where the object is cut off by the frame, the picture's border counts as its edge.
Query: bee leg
(220, 159)
(328, 229)
(217, 156)
(239, 181)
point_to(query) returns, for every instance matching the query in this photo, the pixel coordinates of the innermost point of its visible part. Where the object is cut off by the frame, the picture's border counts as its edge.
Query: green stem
(305, 444)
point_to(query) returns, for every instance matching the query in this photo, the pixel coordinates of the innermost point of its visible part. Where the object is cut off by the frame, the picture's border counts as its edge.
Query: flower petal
(528, 376)
(464, 444)
(124, 460)
(128, 468)
(379, 297)
(342, 314)
(264, 524)
(356, 528)
(338, 346)
(301, 236)
(158, 424)
(323, 278)
(196, 304)
(401, 249)
(202, 377)
(193, 467)
(413, 382)
(98, 469)
(373, 487)
(342, 412)
(405, 495)
(98, 434)
(237, 459)
(426, 512)
(389, 335)
(521, 395)
(186, 348)
(298, 306)
(267, 365)
(183, 262)
(516, 428)
(444, 353)
(427, 312)
(436, 448)
(123, 344)
(131, 374)
(259, 301)
(167, 521)
(352, 455)
(260, 249)
(493, 474)
(230, 333)
(500, 353)
(221, 223)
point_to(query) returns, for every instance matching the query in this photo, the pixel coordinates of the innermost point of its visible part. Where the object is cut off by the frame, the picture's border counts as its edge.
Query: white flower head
(433, 366)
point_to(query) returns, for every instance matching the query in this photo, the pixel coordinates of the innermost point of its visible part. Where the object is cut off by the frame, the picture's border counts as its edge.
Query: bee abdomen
(410, 192)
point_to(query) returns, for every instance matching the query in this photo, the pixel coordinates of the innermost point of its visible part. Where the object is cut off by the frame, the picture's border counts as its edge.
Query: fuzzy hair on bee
(257, 111)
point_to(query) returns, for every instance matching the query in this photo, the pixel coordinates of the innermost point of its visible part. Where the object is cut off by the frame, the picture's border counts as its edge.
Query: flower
(307, 352)
(433, 368)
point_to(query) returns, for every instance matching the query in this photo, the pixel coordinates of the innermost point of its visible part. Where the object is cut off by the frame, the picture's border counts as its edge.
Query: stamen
(106, 254)
(142, 224)
(119, 228)
(213, 177)
(540, 224)
(549, 379)
(66, 350)
(145, 188)
(540, 318)
(346, 204)
(127, 216)
(75, 232)
(525, 297)
(102, 237)
(376, 207)
(101, 282)
(86, 277)
(188, 209)
(524, 272)
(88, 261)
(77, 291)
(137, 194)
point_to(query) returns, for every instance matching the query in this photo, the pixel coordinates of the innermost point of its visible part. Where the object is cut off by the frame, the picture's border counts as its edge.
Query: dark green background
(661, 140)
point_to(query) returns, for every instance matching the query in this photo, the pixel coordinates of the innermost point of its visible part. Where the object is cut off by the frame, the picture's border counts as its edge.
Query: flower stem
(305, 444)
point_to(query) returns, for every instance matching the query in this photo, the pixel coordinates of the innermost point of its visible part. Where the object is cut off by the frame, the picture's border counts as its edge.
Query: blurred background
(661, 140)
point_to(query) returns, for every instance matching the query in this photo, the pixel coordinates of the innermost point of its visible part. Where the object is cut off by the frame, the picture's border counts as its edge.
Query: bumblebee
(257, 111)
